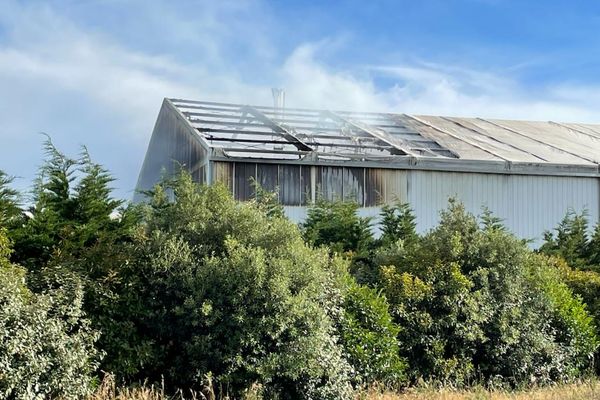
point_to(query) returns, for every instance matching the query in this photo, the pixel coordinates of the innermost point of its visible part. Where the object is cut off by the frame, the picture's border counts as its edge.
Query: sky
(94, 73)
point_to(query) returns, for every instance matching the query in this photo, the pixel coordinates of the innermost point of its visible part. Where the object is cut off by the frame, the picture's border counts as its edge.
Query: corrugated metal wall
(171, 146)
(529, 204)
(298, 185)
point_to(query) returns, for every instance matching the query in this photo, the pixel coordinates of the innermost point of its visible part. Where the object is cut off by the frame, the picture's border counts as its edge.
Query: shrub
(228, 290)
(9, 200)
(572, 325)
(337, 225)
(369, 337)
(76, 229)
(46, 346)
(473, 301)
(570, 241)
(397, 223)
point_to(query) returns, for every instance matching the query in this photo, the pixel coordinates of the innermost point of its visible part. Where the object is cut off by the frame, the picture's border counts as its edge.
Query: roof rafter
(287, 133)
(377, 133)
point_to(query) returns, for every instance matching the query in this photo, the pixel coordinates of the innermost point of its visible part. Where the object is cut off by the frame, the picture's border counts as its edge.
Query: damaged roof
(241, 131)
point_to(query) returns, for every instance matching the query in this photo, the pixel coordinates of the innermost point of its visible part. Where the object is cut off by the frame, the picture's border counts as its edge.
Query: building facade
(527, 173)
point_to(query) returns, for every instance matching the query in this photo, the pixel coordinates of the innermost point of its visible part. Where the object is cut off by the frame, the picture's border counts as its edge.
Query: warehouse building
(528, 173)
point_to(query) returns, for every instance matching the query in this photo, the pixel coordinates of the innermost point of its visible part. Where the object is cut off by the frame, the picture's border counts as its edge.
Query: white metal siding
(528, 204)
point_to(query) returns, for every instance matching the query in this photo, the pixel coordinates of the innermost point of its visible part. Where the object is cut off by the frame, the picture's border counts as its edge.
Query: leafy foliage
(197, 288)
(267, 201)
(336, 224)
(397, 223)
(570, 241)
(226, 288)
(9, 200)
(475, 301)
(46, 345)
(76, 230)
(369, 336)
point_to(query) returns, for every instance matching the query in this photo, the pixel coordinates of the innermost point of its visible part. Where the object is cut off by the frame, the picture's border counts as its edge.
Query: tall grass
(587, 390)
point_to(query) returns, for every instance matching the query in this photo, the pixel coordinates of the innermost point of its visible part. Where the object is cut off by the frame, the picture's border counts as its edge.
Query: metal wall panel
(267, 175)
(341, 183)
(172, 146)
(384, 186)
(353, 180)
(529, 205)
(243, 174)
(223, 172)
(290, 187)
(329, 183)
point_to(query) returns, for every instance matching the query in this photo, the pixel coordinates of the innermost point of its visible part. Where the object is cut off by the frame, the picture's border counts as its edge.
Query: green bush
(397, 223)
(46, 346)
(568, 317)
(337, 225)
(439, 320)
(76, 229)
(369, 337)
(230, 290)
(9, 200)
(571, 240)
(474, 303)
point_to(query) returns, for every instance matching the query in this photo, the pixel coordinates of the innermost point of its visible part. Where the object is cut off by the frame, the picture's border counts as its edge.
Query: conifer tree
(397, 223)
(9, 200)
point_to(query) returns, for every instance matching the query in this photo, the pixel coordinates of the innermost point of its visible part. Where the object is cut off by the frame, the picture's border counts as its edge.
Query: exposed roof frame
(287, 133)
(263, 141)
(378, 134)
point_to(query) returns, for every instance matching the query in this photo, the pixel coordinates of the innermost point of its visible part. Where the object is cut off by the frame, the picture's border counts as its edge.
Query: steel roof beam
(320, 144)
(379, 134)
(246, 132)
(287, 133)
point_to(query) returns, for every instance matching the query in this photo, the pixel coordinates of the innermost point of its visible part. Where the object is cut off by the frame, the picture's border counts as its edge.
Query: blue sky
(94, 72)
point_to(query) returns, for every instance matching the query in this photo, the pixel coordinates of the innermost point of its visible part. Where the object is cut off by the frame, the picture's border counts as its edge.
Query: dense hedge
(193, 287)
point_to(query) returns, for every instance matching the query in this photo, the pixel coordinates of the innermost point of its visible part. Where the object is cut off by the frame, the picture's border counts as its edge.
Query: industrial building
(528, 173)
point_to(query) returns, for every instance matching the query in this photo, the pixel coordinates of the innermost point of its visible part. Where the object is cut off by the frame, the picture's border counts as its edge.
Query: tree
(9, 200)
(571, 240)
(397, 223)
(336, 224)
(77, 230)
(593, 250)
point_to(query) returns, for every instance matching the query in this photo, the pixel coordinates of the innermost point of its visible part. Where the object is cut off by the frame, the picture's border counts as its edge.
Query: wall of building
(529, 204)
(171, 147)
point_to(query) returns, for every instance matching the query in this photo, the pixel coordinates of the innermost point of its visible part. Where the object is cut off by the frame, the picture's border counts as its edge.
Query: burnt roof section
(265, 132)
(242, 131)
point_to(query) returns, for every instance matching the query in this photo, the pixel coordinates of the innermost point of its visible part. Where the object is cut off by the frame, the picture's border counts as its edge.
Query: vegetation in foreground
(574, 391)
(586, 390)
(227, 299)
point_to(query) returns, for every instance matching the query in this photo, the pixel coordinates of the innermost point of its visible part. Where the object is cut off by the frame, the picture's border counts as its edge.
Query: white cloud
(67, 70)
